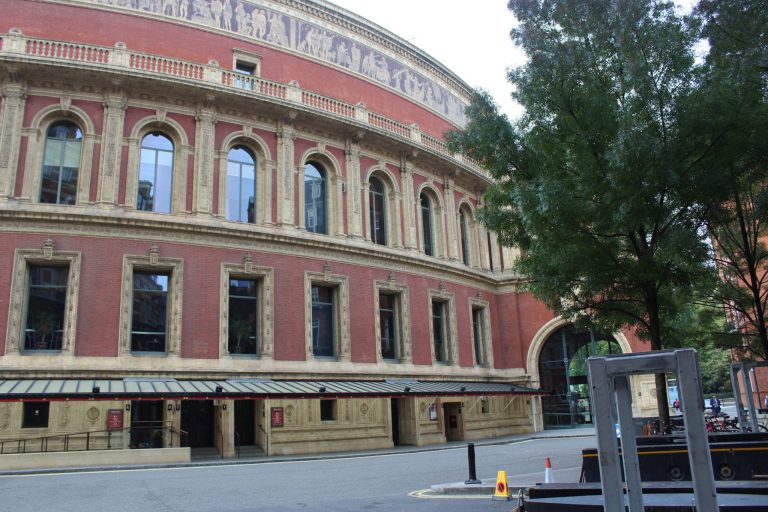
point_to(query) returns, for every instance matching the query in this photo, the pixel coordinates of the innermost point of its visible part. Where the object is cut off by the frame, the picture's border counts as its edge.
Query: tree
(598, 183)
(734, 117)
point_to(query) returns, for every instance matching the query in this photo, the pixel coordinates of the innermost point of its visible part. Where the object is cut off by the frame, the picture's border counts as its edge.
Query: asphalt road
(375, 483)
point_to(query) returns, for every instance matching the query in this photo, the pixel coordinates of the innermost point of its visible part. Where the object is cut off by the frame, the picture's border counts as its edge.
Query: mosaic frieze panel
(253, 20)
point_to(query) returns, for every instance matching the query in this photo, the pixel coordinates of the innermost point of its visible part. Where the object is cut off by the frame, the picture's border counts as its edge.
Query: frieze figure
(217, 9)
(326, 45)
(381, 73)
(342, 55)
(369, 65)
(245, 17)
(201, 12)
(227, 15)
(184, 9)
(169, 7)
(277, 33)
(355, 57)
(242, 18)
(259, 23)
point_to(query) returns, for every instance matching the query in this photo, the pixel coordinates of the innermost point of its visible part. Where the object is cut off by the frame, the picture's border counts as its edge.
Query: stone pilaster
(11, 121)
(495, 254)
(409, 204)
(111, 149)
(352, 154)
(286, 135)
(510, 256)
(205, 133)
(451, 220)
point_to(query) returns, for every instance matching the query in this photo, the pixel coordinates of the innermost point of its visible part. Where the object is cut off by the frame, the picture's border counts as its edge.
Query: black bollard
(471, 459)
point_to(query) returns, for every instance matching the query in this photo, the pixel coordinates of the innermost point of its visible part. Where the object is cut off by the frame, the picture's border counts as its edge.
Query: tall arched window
(241, 185)
(155, 174)
(61, 163)
(314, 198)
(427, 235)
(464, 227)
(377, 211)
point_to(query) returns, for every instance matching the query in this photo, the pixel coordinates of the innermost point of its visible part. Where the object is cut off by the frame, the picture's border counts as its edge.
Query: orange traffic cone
(549, 478)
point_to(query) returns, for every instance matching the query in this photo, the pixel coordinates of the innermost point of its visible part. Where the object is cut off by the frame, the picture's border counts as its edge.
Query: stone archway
(557, 364)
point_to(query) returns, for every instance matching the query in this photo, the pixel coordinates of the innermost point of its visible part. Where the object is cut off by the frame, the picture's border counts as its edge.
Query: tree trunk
(654, 324)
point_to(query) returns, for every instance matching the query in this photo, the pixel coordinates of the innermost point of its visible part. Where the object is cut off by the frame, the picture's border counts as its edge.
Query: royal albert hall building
(234, 224)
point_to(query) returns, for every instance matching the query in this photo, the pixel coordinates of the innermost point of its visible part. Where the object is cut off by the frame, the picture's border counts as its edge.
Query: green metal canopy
(173, 389)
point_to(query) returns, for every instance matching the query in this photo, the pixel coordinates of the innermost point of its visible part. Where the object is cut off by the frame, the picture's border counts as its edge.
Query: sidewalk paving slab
(455, 488)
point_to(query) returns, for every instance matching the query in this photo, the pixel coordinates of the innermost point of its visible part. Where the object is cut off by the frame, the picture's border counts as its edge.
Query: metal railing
(119, 57)
(110, 439)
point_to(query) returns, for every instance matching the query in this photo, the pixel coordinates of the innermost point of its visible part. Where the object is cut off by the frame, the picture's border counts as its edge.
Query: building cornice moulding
(112, 367)
(93, 221)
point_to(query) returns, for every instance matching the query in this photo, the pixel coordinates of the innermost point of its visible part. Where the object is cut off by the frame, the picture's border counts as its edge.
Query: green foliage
(597, 183)
(732, 116)
(714, 365)
(635, 185)
(605, 184)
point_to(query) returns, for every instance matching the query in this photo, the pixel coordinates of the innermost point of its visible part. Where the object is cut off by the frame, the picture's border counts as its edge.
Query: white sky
(469, 38)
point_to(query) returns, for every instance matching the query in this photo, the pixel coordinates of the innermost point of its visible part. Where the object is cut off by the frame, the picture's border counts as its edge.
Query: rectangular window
(327, 410)
(243, 316)
(150, 312)
(323, 322)
(478, 329)
(484, 407)
(438, 330)
(245, 73)
(46, 307)
(245, 68)
(35, 415)
(389, 324)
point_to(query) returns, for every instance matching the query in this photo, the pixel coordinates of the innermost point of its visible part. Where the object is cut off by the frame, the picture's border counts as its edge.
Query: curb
(485, 488)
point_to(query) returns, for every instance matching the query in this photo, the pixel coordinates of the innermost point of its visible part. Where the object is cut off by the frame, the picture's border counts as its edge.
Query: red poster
(277, 416)
(115, 419)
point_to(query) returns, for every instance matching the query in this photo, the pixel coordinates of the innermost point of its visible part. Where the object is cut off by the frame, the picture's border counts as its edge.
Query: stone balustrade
(15, 45)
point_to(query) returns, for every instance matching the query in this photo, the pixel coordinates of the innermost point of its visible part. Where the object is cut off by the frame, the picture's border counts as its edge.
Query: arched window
(427, 235)
(61, 163)
(314, 198)
(377, 211)
(241, 185)
(155, 174)
(464, 227)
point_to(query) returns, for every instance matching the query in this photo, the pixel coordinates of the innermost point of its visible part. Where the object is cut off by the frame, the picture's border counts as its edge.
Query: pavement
(485, 487)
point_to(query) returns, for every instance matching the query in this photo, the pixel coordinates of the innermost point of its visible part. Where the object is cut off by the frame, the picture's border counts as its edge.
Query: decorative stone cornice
(212, 232)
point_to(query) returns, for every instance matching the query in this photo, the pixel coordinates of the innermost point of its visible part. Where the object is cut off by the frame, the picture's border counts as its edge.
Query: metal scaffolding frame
(745, 368)
(610, 388)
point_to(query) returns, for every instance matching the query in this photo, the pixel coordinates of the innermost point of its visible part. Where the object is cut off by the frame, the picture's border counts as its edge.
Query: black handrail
(67, 441)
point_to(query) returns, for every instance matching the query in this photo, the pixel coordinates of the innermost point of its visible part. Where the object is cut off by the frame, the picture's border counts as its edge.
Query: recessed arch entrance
(558, 362)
